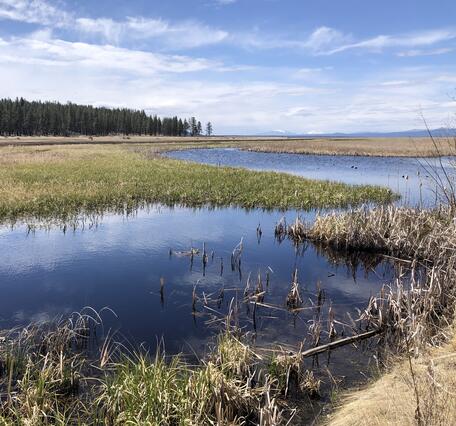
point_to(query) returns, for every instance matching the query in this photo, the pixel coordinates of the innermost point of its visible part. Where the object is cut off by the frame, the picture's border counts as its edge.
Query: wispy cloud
(381, 42)
(329, 41)
(225, 2)
(40, 50)
(425, 52)
(181, 35)
(33, 12)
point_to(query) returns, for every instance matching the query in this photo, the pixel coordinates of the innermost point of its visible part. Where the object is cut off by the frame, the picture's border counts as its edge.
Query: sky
(248, 66)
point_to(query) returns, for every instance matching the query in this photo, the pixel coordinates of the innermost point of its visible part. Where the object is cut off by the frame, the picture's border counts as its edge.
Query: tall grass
(62, 182)
(48, 375)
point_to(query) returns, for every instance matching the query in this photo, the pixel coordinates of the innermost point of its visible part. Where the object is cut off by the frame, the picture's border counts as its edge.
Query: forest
(20, 117)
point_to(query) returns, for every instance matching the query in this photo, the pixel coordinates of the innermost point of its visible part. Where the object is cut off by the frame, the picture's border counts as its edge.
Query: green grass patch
(61, 182)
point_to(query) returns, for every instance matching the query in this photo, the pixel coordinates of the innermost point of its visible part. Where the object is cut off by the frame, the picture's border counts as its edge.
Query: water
(119, 263)
(409, 177)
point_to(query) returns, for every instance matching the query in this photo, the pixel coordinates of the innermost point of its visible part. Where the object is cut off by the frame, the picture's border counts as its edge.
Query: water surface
(119, 263)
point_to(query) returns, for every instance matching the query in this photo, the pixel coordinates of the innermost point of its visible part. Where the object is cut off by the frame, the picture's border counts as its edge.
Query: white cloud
(423, 52)
(323, 38)
(176, 36)
(225, 2)
(329, 41)
(181, 35)
(40, 50)
(33, 12)
(381, 42)
(189, 34)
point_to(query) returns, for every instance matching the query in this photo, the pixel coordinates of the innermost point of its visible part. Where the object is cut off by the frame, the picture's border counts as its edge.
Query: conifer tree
(20, 117)
(209, 129)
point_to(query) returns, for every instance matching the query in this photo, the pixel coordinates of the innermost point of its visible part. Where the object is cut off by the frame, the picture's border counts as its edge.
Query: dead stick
(341, 342)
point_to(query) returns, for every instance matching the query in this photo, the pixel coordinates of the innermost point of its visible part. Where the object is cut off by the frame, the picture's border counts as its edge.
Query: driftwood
(342, 342)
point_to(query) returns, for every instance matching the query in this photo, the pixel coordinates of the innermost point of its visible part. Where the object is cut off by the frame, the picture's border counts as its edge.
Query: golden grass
(383, 147)
(391, 400)
(387, 147)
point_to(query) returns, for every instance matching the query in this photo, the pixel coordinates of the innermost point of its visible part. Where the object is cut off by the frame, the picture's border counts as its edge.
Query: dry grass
(403, 232)
(383, 147)
(414, 312)
(386, 147)
(419, 302)
(391, 399)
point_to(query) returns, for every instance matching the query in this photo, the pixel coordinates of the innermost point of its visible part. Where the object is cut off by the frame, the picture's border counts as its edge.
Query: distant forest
(23, 118)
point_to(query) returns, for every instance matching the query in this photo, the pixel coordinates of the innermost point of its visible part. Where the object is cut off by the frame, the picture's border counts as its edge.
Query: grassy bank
(48, 377)
(384, 147)
(60, 182)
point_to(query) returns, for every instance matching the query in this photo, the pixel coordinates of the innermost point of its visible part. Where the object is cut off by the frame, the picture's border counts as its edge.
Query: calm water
(119, 263)
(402, 175)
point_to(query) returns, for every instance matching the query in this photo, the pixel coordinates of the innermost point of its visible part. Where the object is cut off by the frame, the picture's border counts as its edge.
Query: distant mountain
(415, 133)
(277, 133)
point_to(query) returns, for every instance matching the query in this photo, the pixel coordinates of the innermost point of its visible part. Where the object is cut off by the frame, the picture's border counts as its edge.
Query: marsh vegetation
(63, 182)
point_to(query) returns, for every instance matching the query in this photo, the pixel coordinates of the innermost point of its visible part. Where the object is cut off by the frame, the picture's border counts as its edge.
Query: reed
(420, 303)
(413, 313)
(294, 300)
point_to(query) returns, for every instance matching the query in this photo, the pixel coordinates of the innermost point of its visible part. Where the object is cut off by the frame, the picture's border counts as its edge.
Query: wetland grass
(379, 147)
(48, 376)
(66, 181)
(386, 147)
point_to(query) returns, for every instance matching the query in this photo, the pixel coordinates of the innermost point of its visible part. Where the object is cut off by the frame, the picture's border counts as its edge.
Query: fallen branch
(342, 342)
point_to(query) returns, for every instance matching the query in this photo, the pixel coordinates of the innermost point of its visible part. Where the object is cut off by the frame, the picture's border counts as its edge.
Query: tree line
(20, 117)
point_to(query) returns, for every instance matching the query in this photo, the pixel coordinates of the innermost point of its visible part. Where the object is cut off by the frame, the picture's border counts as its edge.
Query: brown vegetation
(385, 147)
(414, 312)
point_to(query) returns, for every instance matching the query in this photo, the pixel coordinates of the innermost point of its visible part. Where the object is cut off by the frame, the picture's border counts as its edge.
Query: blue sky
(246, 65)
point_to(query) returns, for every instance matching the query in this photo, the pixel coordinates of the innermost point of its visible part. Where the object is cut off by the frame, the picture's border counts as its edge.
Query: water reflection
(159, 268)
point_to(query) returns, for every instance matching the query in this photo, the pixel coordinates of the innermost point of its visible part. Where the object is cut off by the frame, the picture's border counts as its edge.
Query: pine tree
(193, 126)
(20, 117)
(209, 129)
(186, 128)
